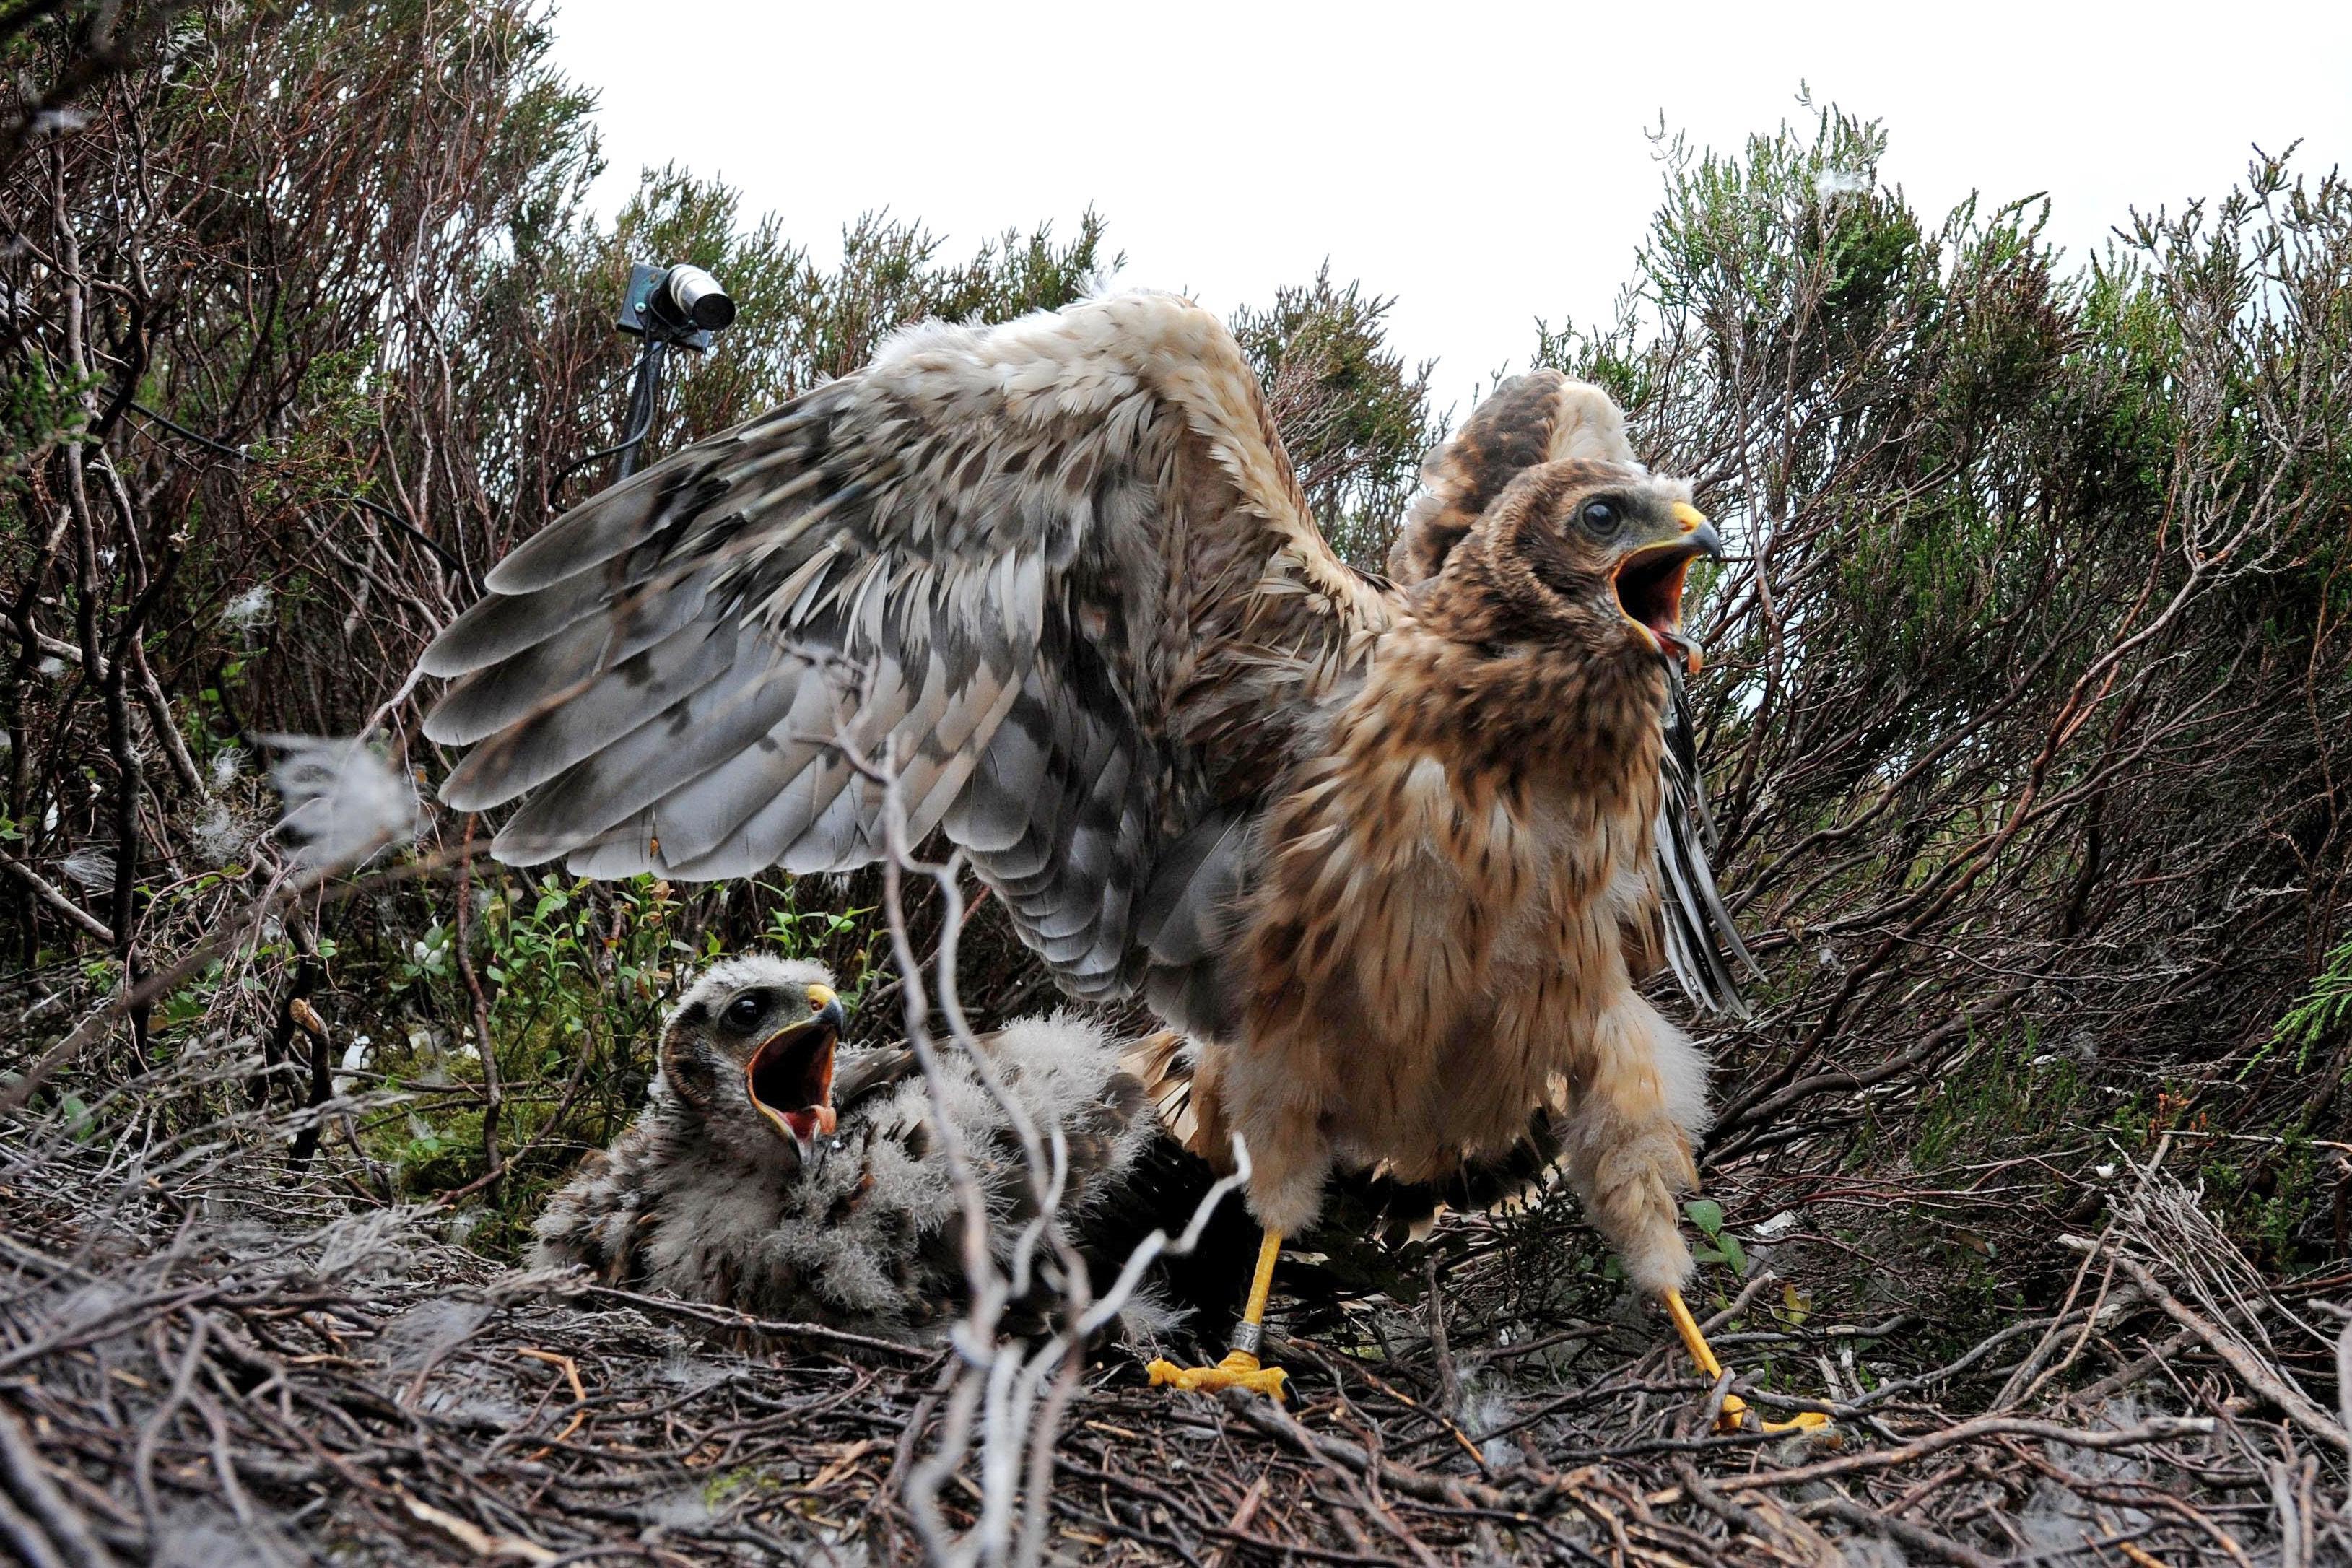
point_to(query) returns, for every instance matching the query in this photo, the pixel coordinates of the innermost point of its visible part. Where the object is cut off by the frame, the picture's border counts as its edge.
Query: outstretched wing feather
(1012, 562)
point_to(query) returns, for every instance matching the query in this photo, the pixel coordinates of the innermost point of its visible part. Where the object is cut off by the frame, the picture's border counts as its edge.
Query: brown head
(1583, 555)
(749, 1051)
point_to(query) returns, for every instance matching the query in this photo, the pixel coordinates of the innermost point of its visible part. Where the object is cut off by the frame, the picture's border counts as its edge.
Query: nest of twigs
(205, 1358)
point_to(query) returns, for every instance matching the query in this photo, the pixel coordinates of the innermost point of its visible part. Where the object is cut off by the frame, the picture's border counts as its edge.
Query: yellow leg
(1240, 1369)
(1734, 1407)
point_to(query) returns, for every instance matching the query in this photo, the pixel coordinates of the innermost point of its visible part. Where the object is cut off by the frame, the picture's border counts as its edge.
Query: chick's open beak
(1649, 580)
(789, 1076)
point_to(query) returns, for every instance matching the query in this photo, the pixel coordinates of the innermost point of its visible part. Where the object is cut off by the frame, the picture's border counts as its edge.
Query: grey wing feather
(1184, 920)
(984, 558)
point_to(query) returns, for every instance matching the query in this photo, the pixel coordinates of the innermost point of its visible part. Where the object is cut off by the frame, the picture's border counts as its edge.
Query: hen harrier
(768, 1174)
(1395, 852)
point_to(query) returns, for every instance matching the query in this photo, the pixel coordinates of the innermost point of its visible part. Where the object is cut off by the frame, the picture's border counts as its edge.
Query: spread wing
(1058, 577)
(1545, 418)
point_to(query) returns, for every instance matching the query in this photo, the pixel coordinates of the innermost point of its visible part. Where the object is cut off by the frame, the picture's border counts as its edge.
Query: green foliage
(2316, 1014)
(38, 409)
(1355, 418)
(2027, 691)
(1706, 1217)
(2265, 1202)
(2004, 1088)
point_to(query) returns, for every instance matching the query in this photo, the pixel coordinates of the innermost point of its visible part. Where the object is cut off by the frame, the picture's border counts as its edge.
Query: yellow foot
(1238, 1369)
(1734, 1413)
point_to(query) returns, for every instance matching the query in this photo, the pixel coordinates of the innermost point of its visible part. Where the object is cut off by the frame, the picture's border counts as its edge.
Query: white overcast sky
(1486, 164)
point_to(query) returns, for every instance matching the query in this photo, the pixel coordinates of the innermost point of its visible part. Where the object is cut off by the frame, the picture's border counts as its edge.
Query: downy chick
(775, 1171)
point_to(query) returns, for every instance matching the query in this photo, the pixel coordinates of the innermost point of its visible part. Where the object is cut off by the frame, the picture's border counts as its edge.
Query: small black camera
(681, 304)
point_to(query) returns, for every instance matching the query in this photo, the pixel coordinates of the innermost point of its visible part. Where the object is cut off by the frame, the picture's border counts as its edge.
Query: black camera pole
(668, 307)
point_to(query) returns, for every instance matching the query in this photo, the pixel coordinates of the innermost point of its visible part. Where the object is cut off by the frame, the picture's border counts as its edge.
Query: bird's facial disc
(790, 1076)
(1648, 579)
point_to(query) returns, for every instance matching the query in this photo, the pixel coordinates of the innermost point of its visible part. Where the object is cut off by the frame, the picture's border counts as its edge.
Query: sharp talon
(1238, 1369)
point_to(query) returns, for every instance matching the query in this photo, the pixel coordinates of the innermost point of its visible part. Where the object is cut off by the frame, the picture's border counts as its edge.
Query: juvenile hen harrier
(769, 1174)
(1395, 852)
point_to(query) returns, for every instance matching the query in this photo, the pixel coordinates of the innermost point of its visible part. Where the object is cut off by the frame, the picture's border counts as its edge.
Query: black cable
(176, 428)
(647, 394)
(640, 416)
(242, 456)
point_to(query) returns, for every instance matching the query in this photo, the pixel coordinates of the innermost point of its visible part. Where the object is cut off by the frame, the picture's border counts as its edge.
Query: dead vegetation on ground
(2025, 721)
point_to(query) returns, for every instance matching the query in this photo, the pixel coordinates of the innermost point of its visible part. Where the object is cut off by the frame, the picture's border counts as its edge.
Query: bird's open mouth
(1650, 585)
(789, 1078)
(1650, 592)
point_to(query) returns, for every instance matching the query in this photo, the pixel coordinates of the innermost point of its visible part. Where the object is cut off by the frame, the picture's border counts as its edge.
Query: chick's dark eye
(1599, 517)
(744, 1012)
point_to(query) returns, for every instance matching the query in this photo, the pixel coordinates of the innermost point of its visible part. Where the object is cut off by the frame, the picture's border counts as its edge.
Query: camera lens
(695, 297)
